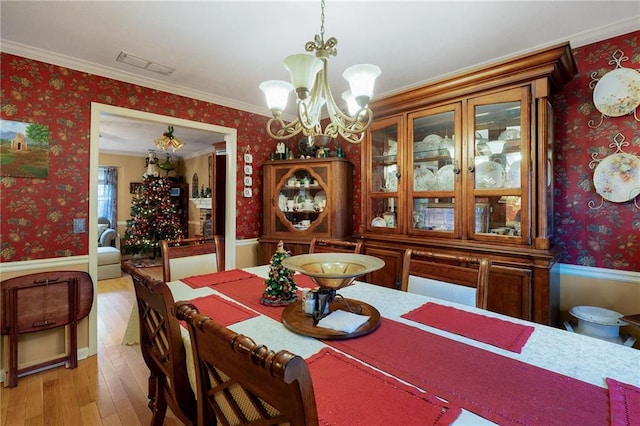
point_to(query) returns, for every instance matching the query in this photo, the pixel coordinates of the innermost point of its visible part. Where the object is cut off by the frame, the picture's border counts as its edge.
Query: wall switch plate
(79, 226)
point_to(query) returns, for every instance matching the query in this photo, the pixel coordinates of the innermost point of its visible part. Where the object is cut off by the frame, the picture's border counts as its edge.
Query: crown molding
(42, 55)
(614, 29)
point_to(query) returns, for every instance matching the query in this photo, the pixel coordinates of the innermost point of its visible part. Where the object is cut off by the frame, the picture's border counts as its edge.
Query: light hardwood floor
(107, 389)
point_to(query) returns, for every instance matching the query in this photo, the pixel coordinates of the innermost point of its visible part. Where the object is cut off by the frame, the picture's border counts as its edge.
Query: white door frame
(230, 199)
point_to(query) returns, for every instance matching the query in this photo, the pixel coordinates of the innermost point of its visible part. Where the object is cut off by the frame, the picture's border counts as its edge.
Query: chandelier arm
(309, 110)
(304, 116)
(283, 130)
(343, 123)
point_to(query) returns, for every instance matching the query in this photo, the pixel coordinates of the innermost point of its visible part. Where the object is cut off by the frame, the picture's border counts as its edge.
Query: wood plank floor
(107, 389)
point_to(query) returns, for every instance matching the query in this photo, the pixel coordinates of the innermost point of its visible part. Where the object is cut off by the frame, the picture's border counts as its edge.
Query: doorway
(230, 142)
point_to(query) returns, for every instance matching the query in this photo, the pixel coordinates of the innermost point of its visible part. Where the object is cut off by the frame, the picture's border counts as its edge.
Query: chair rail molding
(599, 273)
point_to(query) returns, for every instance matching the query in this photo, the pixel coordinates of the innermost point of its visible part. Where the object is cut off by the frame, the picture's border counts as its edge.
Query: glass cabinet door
(434, 175)
(497, 164)
(301, 200)
(384, 185)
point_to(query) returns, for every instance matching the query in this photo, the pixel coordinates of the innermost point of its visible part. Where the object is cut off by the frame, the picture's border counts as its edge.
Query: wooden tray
(294, 318)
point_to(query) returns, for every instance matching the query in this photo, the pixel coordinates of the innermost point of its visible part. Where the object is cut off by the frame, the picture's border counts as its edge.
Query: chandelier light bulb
(303, 69)
(352, 105)
(361, 80)
(309, 76)
(276, 93)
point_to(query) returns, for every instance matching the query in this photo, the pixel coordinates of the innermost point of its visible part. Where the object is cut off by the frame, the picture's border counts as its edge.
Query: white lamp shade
(352, 104)
(361, 80)
(276, 92)
(303, 69)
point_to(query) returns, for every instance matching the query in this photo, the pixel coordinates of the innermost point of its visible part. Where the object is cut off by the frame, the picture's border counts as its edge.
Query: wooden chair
(461, 279)
(163, 350)
(319, 245)
(241, 383)
(191, 256)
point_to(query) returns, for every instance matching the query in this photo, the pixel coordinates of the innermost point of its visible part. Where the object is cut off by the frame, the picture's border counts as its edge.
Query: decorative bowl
(333, 270)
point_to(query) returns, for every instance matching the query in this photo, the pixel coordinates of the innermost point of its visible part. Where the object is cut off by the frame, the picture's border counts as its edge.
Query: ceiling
(222, 50)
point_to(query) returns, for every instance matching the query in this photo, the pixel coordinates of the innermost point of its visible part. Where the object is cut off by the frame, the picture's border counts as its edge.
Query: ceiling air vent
(127, 58)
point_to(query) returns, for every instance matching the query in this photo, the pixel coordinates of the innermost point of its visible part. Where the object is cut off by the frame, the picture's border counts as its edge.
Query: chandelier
(169, 141)
(310, 79)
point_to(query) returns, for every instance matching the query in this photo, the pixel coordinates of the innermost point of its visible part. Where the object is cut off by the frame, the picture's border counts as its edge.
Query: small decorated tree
(281, 288)
(153, 217)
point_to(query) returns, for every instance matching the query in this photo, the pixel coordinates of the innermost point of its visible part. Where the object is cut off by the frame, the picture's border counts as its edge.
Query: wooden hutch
(465, 166)
(303, 199)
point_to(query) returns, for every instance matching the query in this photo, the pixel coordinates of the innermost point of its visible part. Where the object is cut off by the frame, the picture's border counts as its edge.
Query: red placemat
(222, 311)
(304, 281)
(248, 292)
(498, 388)
(338, 381)
(625, 403)
(494, 331)
(215, 278)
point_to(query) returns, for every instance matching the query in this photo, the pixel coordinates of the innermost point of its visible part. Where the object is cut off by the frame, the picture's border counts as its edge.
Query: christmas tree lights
(153, 217)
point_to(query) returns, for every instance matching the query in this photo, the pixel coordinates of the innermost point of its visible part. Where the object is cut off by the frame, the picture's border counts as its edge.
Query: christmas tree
(281, 288)
(153, 217)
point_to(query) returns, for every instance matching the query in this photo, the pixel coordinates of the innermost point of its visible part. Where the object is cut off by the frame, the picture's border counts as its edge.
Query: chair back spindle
(319, 245)
(191, 256)
(242, 383)
(163, 350)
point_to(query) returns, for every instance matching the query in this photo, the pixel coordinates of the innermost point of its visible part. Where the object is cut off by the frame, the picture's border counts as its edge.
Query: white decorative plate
(617, 177)
(423, 179)
(509, 135)
(489, 174)
(393, 148)
(282, 202)
(379, 222)
(445, 178)
(429, 143)
(320, 196)
(514, 174)
(617, 93)
(391, 182)
(433, 140)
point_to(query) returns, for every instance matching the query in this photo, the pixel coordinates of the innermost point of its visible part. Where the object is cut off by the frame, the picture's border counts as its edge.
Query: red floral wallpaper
(37, 214)
(609, 236)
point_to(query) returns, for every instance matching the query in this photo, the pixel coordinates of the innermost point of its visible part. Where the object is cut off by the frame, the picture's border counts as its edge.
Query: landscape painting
(24, 149)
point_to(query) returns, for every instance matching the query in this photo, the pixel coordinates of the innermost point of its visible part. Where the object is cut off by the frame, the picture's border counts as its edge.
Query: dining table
(431, 361)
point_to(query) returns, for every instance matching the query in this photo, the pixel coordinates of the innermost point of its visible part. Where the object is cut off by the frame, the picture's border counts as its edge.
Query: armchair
(109, 256)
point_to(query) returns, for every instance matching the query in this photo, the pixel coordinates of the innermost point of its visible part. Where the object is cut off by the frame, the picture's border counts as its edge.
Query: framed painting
(133, 187)
(24, 149)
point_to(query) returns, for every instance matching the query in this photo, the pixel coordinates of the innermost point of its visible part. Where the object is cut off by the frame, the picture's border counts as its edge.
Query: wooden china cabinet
(465, 166)
(303, 199)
